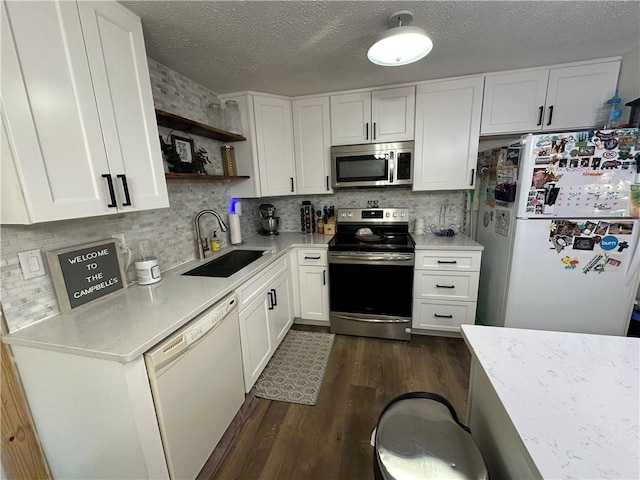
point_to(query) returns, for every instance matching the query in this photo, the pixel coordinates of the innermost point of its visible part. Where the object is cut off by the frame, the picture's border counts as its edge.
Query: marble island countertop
(574, 399)
(124, 326)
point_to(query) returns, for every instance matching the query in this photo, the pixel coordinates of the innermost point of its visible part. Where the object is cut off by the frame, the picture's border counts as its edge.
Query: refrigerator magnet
(588, 228)
(570, 263)
(622, 246)
(601, 228)
(609, 242)
(587, 151)
(621, 228)
(592, 263)
(614, 262)
(583, 243)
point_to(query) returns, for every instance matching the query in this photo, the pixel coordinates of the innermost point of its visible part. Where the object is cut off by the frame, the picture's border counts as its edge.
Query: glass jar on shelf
(215, 114)
(232, 119)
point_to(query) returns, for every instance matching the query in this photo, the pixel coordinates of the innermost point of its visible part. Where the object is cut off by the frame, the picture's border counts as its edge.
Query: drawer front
(312, 256)
(445, 286)
(248, 291)
(454, 260)
(442, 316)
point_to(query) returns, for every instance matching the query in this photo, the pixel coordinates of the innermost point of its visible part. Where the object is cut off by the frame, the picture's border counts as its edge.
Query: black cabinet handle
(445, 286)
(112, 193)
(324, 277)
(473, 173)
(447, 261)
(367, 131)
(442, 316)
(125, 187)
(312, 258)
(270, 300)
(275, 297)
(327, 183)
(291, 183)
(540, 117)
(374, 130)
(550, 114)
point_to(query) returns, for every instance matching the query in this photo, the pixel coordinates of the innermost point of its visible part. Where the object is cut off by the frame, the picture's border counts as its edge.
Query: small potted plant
(197, 164)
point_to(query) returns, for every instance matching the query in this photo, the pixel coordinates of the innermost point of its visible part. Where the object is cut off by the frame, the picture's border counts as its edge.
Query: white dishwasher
(198, 387)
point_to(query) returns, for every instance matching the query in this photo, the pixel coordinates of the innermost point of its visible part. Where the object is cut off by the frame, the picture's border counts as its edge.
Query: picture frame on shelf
(184, 148)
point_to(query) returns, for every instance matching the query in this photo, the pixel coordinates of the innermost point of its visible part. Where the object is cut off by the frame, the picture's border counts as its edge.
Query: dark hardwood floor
(330, 440)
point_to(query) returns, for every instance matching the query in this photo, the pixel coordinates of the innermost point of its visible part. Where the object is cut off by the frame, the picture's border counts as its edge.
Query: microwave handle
(392, 165)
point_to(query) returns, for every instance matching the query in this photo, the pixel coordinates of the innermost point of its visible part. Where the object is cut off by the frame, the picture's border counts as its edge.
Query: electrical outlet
(121, 239)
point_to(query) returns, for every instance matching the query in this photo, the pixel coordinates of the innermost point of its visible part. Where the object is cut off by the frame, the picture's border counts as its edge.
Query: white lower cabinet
(445, 289)
(313, 280)
(266, 314)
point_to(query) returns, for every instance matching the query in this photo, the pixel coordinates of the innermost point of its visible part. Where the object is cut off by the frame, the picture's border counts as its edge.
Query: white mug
(419, 227)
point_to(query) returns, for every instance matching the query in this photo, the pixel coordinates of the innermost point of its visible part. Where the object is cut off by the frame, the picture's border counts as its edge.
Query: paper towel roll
(234, 227)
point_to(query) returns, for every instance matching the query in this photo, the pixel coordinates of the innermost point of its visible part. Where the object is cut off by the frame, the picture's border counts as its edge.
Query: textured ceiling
(304, 47)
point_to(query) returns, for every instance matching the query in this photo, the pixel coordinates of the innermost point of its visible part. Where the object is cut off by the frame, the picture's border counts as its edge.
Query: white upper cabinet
(373, 117)
(547, 99)
(447, 133)
(267, 155)
(392, 114)
(274, 140)
(312, 143)
(77, 113)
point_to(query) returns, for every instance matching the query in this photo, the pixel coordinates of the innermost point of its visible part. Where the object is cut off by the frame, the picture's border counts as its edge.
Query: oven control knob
(350, 214)
(387, 214)
(343, 215)
(395, 214)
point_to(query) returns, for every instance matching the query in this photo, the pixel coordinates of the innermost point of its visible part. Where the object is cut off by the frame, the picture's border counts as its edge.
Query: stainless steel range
(371, 260)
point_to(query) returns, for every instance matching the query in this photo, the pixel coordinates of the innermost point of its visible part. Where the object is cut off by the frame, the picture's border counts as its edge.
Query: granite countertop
(429, 241)
(574, 399)
(124, 326)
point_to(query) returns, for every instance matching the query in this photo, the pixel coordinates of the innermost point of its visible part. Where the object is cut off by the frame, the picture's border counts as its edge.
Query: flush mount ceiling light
(400, 45)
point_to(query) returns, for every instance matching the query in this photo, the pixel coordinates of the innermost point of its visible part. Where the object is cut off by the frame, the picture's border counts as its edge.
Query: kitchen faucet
(202, 245)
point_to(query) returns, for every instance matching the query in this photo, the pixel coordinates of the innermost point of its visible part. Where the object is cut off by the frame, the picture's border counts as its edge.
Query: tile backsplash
(172, 230)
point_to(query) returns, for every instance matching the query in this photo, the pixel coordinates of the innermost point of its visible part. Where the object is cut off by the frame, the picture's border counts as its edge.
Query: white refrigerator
(564, 255)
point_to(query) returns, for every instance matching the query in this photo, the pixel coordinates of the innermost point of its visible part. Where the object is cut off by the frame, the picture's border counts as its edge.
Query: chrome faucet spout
(202, 248)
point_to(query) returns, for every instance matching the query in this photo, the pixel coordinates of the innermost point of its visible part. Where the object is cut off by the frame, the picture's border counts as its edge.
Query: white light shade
(400, 46)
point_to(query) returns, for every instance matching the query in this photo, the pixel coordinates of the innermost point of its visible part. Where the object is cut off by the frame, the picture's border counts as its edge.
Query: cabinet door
(50, 114)
(514, 102)
(447, 134)
(393, 114)
(275, 145)
(282, 309)
(575, 94)
(351, 118)
(118, 63)
(314, 293)
(312, 143)
(255, 336)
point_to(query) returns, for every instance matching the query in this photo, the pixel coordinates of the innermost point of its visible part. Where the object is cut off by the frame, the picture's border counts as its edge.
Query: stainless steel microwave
(372, 165)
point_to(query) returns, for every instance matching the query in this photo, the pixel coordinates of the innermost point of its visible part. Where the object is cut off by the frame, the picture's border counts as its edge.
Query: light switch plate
(32, 264)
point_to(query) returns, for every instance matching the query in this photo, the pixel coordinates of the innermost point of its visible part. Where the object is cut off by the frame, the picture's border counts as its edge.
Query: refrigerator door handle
(634, 263)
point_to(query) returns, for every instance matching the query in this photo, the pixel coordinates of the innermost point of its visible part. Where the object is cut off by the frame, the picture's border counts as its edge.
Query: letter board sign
(85, 273)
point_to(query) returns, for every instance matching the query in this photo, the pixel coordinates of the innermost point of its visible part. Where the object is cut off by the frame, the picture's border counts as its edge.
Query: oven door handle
(368, 258)
(373, 320)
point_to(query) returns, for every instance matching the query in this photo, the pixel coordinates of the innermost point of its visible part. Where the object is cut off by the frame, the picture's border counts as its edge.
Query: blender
(268, 220)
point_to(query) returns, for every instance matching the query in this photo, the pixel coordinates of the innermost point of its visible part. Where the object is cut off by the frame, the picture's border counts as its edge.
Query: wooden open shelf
(169, 120)
(202, 176)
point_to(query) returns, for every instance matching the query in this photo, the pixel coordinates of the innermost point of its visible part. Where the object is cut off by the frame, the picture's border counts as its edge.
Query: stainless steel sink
(227, 264)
